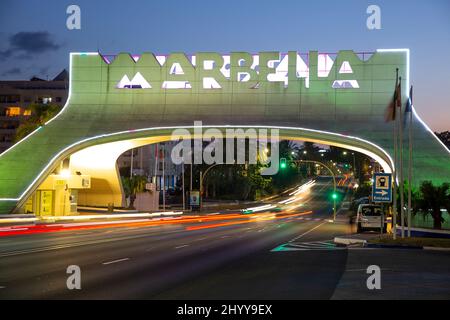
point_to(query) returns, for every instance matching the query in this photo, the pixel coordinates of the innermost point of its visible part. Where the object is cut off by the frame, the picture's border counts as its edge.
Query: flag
(409, 103)
(399, 94)
(408, 106)
(395, 102)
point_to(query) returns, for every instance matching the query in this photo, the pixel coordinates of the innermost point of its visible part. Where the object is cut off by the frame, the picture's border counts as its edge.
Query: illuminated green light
(334, 196)
(283, 164)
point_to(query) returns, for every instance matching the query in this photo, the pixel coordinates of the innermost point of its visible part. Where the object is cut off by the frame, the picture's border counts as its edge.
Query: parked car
(370, 217)
(355, 203)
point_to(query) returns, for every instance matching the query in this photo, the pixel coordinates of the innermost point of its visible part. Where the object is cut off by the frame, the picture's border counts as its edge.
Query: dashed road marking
(115, 261)
(182, 246)
(305, 233)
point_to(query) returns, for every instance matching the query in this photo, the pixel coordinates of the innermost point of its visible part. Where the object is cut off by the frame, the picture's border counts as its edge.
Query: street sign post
(194, 198)
(382, 188)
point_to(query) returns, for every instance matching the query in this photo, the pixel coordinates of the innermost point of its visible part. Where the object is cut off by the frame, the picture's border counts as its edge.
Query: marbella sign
(237, 71)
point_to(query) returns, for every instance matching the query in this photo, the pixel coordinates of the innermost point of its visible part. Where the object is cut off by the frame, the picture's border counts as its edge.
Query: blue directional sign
(382, 187)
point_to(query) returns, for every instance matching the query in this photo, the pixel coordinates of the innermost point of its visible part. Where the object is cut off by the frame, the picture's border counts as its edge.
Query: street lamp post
(334, 181)
(202, 177)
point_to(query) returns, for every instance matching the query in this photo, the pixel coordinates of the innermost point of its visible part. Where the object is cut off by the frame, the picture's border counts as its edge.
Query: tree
(132, 186)
(433, 199)
(40, 114)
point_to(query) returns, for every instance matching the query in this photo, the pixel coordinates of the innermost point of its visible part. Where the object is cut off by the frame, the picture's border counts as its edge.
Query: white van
(370, 216)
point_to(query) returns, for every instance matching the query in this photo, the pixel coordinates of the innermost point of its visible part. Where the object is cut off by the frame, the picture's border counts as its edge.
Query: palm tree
(40, 114)
(132, 186)
(433, 199)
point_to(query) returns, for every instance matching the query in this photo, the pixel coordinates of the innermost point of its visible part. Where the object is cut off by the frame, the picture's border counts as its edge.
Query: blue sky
(224, 26)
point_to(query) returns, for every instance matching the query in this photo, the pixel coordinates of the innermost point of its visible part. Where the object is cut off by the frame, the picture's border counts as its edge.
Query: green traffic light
(334, 196)
(283, 164)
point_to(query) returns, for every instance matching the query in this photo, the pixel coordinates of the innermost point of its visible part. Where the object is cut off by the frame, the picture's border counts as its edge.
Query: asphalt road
(284, 255)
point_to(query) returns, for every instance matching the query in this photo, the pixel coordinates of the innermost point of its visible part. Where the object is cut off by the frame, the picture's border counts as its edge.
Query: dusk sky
(35, 40)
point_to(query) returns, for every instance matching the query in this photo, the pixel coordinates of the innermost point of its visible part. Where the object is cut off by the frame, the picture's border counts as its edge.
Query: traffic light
(334, 196)
(283, 163)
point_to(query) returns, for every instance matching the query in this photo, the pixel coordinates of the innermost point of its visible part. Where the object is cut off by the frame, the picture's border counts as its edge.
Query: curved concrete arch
(328, 110)
(99, 161)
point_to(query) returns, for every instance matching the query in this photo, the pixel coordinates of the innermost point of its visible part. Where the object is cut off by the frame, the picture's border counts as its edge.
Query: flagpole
(401, 182)
(394, 173)
(410, 160)
(164, 176)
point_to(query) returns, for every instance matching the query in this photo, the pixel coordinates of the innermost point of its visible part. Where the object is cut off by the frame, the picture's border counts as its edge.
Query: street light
(202, 177)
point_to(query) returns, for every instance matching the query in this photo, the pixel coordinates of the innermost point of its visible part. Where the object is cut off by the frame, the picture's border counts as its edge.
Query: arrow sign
(382, 187)
(382, 192)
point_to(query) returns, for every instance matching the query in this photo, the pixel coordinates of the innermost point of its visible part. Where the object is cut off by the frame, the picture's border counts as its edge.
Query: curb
(349, 241)
(437, 249)
(392, 246)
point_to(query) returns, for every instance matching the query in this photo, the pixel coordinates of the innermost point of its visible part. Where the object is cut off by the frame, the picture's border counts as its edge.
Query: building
(146, 163)
(16, 97)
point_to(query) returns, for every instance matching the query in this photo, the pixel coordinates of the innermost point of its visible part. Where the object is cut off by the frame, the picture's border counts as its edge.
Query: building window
(46, 100)
(13, 111)
(9, 98)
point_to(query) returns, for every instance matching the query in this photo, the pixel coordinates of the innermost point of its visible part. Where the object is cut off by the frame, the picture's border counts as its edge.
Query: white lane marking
(184, 245)
(365, 270)
(2, 287)
(223, 237)
(73, 245)
(115, 261)
(149, 249)
(310, 230)
(200, 239)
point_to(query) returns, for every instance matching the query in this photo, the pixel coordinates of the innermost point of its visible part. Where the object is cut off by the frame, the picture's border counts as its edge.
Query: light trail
(224, 224)
(46, 228)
